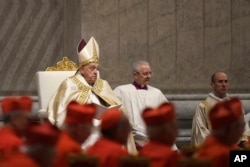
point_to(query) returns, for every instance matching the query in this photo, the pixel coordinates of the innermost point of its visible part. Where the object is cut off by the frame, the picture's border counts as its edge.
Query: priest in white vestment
(85, 87)
(137, 96)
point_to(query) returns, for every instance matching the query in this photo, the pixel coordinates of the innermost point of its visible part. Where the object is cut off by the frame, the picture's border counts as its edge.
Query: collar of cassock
(138, 86)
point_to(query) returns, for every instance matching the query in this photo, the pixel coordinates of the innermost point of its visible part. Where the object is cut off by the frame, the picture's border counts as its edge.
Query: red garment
(9, 140)
(65, 146)
(160, 155)
(18, 159)
(108, 152)
(215, 151)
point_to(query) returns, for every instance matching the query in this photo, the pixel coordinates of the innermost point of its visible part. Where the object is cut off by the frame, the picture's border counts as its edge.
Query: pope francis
(84, 87)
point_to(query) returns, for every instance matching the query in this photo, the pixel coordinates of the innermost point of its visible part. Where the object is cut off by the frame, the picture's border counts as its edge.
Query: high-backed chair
(49, 80)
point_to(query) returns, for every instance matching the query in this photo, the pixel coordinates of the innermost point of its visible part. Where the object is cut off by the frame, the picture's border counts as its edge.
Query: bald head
(219, 84)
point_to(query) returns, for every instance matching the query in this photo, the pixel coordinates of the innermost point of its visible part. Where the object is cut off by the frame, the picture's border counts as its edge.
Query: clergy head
(161, 123)
(88, 56)
(115, 126)
(78, 121)
(40, 143)
(44, 134)
(16, 112)
(142, 74)
(219, 84)
(227, 121)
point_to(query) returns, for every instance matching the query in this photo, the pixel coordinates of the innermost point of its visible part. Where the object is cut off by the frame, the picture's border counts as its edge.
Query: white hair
(136, 65)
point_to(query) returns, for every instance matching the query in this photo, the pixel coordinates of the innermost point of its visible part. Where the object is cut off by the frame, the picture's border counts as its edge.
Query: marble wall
(35, 34)
(185, 41)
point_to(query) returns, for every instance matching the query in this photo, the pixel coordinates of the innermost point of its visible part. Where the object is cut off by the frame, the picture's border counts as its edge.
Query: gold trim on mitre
(90, 53)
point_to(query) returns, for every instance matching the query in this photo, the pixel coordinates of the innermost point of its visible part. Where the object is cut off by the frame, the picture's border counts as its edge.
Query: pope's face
(143, 76)
(90, 72)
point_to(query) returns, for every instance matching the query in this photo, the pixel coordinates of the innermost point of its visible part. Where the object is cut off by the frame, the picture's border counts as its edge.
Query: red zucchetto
(225, 113)
(110, 118)
(23, 103)
(163, 114)
(79, 113)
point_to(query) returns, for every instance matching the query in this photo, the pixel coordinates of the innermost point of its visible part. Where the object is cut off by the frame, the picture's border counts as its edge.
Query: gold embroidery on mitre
(63, 65)
(94, 59)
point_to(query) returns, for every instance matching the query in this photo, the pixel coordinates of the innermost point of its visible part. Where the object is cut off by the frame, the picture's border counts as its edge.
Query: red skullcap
(222, 115)
(110, 118)
(23, 103)
(168, 111)
(79, 113)
(163, 114)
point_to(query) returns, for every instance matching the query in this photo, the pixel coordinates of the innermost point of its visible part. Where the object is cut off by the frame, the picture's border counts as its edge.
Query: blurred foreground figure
(75, 130)
(162, 131)
(16, 113)
(115, 129)
(227, 126)
(38, 151)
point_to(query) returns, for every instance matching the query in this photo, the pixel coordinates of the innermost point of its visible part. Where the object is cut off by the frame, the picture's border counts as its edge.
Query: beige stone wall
(185, 41)
(35, 34)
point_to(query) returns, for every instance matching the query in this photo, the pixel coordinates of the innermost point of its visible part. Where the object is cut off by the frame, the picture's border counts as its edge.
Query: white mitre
(88, 53)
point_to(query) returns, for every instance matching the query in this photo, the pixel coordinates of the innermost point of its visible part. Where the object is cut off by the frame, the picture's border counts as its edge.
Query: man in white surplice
(137, 96)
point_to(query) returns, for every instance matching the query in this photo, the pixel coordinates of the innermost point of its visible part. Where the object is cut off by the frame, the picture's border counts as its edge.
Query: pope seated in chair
(84, 87)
